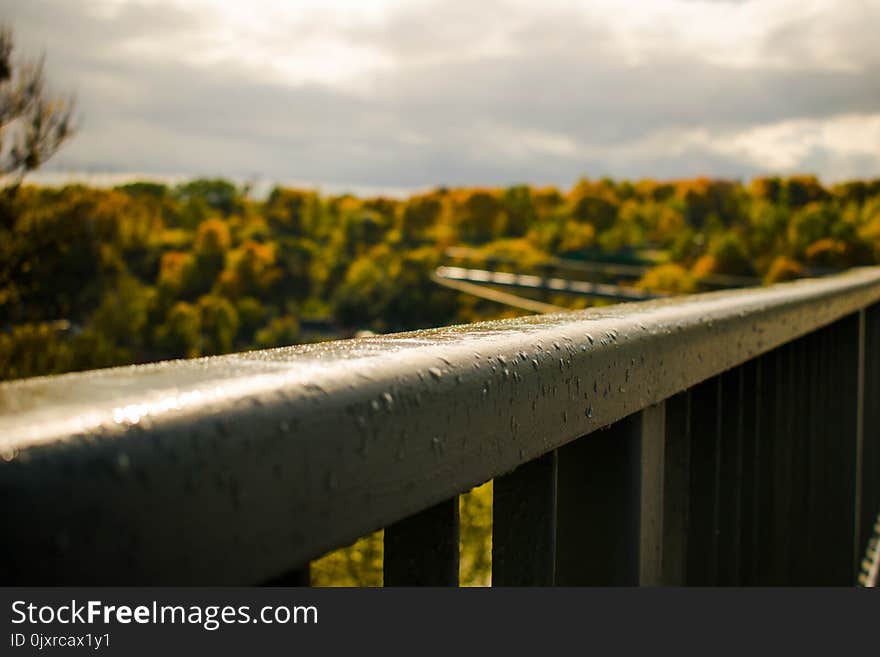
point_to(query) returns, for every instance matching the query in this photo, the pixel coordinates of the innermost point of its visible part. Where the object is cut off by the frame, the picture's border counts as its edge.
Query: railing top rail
(236, 467)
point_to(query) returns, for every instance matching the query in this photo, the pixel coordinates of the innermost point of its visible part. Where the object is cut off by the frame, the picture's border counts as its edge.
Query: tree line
(98, 277)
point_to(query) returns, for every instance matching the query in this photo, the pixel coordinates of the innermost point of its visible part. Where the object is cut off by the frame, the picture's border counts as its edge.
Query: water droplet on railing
(436, 373)
(589, 411)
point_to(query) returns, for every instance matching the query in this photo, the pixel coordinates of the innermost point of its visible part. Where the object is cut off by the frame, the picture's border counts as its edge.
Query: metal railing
(723, 438)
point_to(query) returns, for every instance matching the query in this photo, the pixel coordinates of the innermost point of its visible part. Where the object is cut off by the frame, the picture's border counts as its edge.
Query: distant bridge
(548, 284)
(599, 268)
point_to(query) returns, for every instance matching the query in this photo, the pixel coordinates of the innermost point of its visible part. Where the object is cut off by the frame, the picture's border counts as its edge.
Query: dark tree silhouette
(33, 123)
(33, 126)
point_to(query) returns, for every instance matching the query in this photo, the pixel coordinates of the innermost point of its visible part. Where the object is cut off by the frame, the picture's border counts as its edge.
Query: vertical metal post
(857, 548)
(798, 515)
(870, 493)
(524, 525)
(767, 436)
(422, 550)
(676, 486)
(750, 502)
(610, 504)
(651, 465)
(821, 436)
(730, 478)
(783, 497)
(841, 455)
(702, 544)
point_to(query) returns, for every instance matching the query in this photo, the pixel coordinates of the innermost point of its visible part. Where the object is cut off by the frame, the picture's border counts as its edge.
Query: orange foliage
(783, 269)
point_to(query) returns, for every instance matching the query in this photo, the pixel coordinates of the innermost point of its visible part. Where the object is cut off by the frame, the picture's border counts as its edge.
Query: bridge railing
(723, 438)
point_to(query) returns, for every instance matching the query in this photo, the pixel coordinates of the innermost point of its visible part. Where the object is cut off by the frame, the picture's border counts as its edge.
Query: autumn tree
(520, 209)
(291, 211)
(479, 216)
(594, 203)
(420, 214)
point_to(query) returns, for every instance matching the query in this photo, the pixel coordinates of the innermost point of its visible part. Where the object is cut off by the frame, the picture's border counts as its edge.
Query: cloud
(416, 94)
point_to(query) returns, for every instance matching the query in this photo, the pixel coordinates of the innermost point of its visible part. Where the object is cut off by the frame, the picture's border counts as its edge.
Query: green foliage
(420, 215)
(251, 314)
(145, 190)
(590, 205)
(180, 335)
(291, 211)
(216, 194)
(281, 332)
(478, 216)
(219, 322)
(520, 210)
(29, 349)
(731, 255)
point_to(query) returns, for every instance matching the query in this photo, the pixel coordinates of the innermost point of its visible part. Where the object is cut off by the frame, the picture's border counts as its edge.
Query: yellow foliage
(669, 223)
(173, 269)
(577, 236)
(213, 236)
(669, 277)
(704, 266)
(521, 251)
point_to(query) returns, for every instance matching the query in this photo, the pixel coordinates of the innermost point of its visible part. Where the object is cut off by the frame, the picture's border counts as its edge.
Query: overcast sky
(411, 94)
